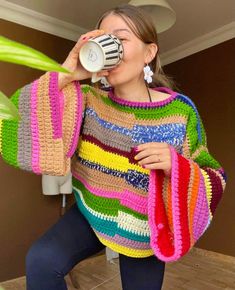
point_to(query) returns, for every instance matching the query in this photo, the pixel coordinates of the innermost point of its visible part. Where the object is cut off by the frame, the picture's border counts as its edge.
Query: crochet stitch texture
(134, 211)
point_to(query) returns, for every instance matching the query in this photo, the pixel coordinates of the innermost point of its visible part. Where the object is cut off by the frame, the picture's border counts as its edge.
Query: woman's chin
(113, 80)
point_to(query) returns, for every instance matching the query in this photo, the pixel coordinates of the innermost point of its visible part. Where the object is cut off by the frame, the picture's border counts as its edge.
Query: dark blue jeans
(72, 240)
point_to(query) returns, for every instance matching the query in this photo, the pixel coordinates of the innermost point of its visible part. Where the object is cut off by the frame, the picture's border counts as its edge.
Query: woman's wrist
(63, 80)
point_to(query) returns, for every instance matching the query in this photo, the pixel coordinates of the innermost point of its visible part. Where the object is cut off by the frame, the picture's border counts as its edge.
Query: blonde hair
(142, 26)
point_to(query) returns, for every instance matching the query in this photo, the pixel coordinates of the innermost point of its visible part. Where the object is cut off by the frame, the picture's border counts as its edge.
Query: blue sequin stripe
(101, 168)
(137, 179)
(108, 125)
(132, 177)
(105, 226)
(173, 134)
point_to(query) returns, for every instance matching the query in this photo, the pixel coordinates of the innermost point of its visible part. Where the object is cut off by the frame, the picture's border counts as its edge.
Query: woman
(144, 182)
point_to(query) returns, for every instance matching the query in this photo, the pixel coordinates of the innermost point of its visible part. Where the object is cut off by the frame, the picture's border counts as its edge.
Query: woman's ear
(152, 50)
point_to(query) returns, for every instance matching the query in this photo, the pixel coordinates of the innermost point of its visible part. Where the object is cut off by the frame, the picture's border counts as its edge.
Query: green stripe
(191, 131)
(106, 226)
(85, 89)
(176, 107)
(105, 205)
(205, 159)
(203, 132)
(10, 135)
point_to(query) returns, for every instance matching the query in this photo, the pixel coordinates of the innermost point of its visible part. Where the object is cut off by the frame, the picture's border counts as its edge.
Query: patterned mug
(101, 53)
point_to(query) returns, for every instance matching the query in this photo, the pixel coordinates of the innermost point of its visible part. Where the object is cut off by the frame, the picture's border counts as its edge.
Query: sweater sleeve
(46, 136)
(181, 207)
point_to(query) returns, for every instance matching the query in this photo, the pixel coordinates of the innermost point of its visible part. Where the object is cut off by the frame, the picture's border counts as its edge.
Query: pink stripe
(134, 201)
(54, 96)
(34, 129)
(78, 121)
(119, 240)
(151, 212)
(201, 213)
(152, 207)
(175, 205)
(61, 103)
(144, 104)
(127, 198)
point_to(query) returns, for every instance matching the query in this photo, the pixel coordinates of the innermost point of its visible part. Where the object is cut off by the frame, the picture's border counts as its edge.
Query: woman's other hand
(154, 155)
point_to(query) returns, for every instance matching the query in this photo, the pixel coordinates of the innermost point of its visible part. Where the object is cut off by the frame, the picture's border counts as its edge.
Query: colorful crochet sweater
(133, 210)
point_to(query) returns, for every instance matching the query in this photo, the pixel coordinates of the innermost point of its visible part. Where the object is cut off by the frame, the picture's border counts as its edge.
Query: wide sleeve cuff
(181, 207)
(46, 136)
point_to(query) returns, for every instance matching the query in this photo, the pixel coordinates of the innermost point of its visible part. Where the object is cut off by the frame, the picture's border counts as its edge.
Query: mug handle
(95, 78)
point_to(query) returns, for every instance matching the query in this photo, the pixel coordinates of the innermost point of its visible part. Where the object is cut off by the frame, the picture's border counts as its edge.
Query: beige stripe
(47, 144)
(186, 148)
(51, 151)
(109, 113)
(69, 117)
(102, 180)
(164, 193)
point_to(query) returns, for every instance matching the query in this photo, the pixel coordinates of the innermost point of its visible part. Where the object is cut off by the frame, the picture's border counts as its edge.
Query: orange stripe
(169, 208)
(193, 199)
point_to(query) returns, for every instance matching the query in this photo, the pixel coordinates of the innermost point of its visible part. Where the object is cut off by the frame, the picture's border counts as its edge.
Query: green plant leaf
(8, 110)
(15, 52)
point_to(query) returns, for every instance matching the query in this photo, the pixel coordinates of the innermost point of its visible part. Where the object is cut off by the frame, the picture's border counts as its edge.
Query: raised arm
(51, 114)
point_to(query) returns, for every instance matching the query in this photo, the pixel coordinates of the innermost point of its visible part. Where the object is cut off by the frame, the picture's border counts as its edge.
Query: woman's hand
(154, 155)
(73, 64)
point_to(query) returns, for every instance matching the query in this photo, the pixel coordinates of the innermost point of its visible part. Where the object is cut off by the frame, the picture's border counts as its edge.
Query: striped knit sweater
(133, 210)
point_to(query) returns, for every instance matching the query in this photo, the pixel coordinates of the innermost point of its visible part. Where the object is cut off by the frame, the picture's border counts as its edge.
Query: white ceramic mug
(101, 53)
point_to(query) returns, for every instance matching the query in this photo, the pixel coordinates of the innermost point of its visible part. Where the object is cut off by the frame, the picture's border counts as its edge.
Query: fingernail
(143, 166)
(135, 149)
(84, 38)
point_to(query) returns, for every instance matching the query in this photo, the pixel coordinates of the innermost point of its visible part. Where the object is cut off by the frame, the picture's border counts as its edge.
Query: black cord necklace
(150, 99)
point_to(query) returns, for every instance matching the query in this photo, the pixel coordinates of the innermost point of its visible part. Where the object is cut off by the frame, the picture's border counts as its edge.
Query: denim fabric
(71, 240)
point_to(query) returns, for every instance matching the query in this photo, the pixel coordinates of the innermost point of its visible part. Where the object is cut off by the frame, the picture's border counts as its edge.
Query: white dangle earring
(148, 74)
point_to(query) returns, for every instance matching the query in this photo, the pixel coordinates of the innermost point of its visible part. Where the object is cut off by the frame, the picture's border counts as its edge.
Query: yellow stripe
(94, 153)
(208, 189)
(135, 253)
